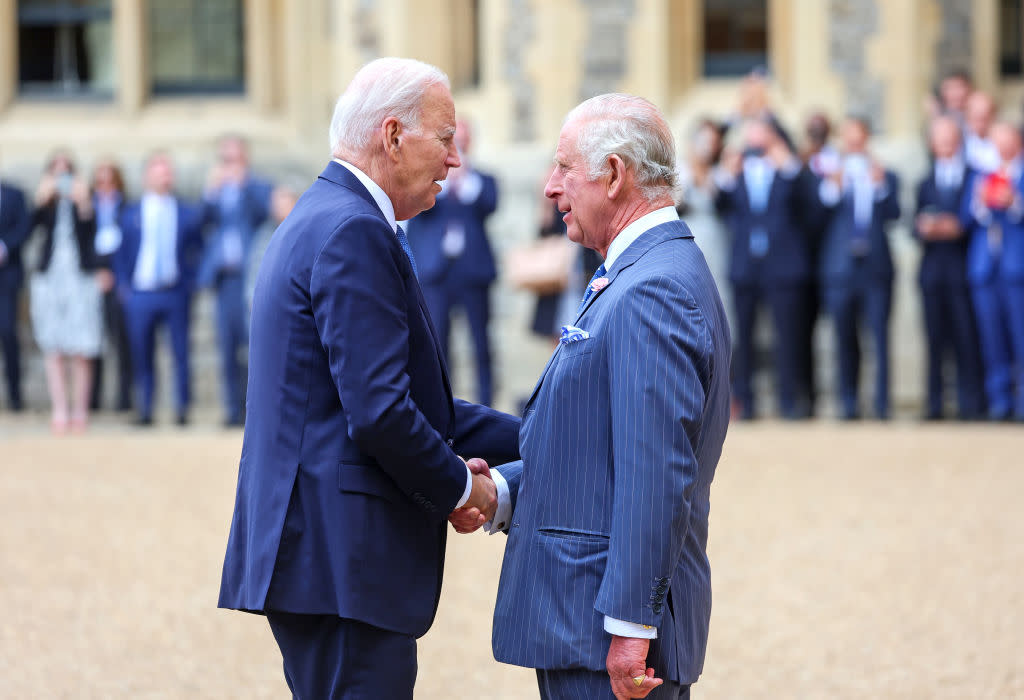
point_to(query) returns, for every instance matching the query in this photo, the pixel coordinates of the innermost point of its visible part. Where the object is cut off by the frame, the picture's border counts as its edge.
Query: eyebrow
(447, 132)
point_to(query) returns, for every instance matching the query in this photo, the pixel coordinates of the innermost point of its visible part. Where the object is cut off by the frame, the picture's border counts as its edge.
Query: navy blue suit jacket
(983, 264)
(349, 468)
(838, 265)
(247, 216)
(475, 266)
(620, 443)
(788, 259)
(190, 245)
(15, 226)
(943, 262)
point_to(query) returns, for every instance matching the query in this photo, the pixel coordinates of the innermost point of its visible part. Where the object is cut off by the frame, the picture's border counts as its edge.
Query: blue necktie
(403, 241)
(590, 287)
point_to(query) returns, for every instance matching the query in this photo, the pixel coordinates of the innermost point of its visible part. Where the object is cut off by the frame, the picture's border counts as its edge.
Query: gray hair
(633, 129)
(385, 87)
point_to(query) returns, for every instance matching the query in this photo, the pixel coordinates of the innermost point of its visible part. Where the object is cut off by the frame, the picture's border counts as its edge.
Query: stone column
(131, 53)
(260, 54)
(8, 52)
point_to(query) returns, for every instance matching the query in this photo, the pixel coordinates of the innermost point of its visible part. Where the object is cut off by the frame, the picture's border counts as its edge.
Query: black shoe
(144, 421)
(182, 419)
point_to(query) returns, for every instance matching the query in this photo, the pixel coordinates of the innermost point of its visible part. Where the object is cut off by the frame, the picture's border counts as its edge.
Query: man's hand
(627, 659)
(483, 500)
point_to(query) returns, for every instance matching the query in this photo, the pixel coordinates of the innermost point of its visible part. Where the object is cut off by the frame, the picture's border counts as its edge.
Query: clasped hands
(482, 503)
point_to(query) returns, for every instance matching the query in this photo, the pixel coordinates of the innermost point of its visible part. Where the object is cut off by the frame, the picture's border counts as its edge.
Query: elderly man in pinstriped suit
(605, 574)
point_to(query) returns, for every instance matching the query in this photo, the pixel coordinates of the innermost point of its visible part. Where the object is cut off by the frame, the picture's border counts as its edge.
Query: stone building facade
(271, 70)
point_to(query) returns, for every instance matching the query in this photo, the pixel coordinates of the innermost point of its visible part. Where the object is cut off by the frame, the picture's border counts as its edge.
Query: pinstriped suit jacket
(619, 444)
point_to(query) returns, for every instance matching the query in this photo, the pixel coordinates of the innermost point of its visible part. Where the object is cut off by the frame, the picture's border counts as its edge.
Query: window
(735, 37)
(465, 44)
(196, 46)
(1010, 38)
(65, 48)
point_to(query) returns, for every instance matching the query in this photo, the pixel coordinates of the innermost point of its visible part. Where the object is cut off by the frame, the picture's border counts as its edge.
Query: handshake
(482, 503)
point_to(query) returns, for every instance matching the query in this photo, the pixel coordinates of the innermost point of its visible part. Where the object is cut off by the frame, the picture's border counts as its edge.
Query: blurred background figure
(15, 226)
(995, 269)
(66, 301)
(821, 160)
(237, 203)
(948, 316)
(954, 90)
(454, 260)
(762, 197)
(980, 152)
(155, 269)
(862, 199)
(697, 205)
(108, 199)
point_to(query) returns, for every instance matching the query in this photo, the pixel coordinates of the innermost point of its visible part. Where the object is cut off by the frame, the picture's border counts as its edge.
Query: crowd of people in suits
(111, 268)
(805, 230)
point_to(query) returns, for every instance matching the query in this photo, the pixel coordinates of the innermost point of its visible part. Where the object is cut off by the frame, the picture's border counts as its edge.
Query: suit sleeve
(890, 203)
(18, 233)
(659, 363)
(361, 313)
(483, 432)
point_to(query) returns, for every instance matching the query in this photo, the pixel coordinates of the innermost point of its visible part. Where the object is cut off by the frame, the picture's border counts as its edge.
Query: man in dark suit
(761, 199)
(856, 271)
(155, 271)
(994, 213)
(454, 258)
(606, 576)
(948, 316)
(350, 461)
(15, 226)
(237, 203)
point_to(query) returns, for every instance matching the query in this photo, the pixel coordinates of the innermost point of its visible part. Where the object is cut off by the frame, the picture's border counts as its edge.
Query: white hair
(385, 87)
(633, 129)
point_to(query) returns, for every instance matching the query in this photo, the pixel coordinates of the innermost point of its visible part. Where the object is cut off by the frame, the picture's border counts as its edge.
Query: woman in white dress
(66, 300)
(697, 207)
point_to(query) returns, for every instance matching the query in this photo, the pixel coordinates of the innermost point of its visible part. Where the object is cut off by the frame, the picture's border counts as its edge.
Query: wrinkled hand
(482, 503)
(627, 659)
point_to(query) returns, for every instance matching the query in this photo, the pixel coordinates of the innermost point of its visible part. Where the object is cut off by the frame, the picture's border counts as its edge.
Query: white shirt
(157, 264)
(625, 238)
(949, 172)
(981, 153)
(388, 209)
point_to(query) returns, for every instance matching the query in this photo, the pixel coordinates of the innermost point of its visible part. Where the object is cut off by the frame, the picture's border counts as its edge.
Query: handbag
(541, 267)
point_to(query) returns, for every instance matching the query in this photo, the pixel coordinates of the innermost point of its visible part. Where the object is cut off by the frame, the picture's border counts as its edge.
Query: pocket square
(572, 334)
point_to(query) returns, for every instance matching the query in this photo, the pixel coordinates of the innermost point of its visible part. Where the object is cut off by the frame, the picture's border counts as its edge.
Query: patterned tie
(403, 241)
(590, 287)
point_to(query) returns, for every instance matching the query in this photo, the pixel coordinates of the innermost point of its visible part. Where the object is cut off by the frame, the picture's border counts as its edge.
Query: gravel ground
(848, 561)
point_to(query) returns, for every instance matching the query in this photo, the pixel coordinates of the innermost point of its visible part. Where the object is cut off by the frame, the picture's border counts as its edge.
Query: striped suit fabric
(619, 446)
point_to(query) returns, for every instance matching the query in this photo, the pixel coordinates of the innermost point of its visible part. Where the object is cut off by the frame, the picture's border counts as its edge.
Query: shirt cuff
(504, 512)
(621, 628)
(469, 489)
(829, 193)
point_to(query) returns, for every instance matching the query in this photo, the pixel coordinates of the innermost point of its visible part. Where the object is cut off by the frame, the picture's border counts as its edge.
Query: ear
(617, 176)
(391, 136)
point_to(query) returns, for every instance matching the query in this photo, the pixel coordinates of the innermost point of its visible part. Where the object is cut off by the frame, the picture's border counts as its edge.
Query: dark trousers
(999, 306)
(441, 299)
(330, 658)
(581, 684)
(863, 299)
(232, 336)
(9, 343)
(145, 311)
(786, 303)
(950, 329)
(117, 332)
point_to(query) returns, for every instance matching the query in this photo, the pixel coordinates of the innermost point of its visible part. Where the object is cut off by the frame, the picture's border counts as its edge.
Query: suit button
(515, 524)
(657, 608)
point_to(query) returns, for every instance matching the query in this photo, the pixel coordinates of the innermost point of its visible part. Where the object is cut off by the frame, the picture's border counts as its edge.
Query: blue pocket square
(572, 334)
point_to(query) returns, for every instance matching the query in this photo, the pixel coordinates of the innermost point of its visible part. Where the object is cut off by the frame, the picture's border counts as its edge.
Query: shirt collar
(636, 229)
(378, 194)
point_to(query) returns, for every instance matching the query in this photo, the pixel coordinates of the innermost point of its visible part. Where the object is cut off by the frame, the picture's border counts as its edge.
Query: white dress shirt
(157, 264)
(625, 238)
(388, 209)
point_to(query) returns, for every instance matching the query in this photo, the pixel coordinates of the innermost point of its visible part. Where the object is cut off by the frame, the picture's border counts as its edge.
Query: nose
(554, 185)
(453, 160)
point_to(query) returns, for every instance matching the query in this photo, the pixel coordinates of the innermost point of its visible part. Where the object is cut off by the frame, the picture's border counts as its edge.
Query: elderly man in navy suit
(606, 575)
(454, 257)
(15, 226)
(350, 459)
